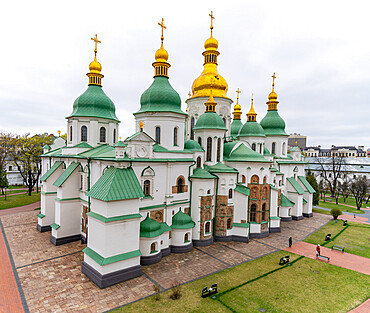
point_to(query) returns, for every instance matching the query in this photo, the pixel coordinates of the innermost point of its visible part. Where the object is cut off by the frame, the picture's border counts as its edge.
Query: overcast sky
(320, 51)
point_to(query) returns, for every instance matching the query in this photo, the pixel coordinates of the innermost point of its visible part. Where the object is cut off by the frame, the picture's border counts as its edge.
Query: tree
(3, 180)
(344, 190)
(359, 187)
(335, 213)
(323, 189)
(313, 182)
(5, 147)
(26, 152)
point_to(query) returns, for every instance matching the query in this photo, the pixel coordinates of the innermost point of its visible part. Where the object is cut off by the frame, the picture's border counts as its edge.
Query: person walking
(290, 241)
(317, 250)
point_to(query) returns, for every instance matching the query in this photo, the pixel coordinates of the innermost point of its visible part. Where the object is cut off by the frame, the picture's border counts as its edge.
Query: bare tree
(359, 187)
(344, 190)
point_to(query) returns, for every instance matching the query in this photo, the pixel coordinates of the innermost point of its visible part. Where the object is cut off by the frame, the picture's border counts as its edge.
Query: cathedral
(183, 179)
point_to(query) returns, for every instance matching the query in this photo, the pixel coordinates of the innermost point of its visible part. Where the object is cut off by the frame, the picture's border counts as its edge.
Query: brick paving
(52, 281)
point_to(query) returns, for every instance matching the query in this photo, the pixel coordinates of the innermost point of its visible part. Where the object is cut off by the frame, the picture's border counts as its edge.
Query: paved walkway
(25, 208)
(362, 308)
(360, 218)
(350, 261)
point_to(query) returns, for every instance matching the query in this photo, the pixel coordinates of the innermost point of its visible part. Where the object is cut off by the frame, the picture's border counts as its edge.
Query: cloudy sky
(320, 51)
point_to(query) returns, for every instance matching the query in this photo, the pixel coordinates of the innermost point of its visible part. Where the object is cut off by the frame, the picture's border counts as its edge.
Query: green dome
(228, 146)
(192, 145)
(94, 103)
(210, 120)
(160, 97)
(251, 129)
(235, 127)
(150, 228)
(273, 124)
(182, 221)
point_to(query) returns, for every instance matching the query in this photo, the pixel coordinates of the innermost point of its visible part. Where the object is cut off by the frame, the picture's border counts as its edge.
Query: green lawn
(355, 238)
(18, 200)
(331, 205)
(321, 211)
(13, 191)
(16, 187)
(305, 286)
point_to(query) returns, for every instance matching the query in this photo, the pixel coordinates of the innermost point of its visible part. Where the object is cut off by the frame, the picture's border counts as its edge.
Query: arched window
(175, 136)
(218, 149)
(192, 123)
(283, 149)
(253, 146)
(114, 135)
(253, 212)
(224, 119)
(243, 179)
(207, 227)
(70, 133)
(209, 149)
(261, 148)
(273, 148)
(264, 215)
(230, 193)
(102, 134)
(199, 162)
(255, 179)
(146, 188)
(209, 190)
(229, 222)
(83, 133)
(180, 185)
(153, 247)
(186, 237)
(265, 179)
(158, 135)
(200, 141)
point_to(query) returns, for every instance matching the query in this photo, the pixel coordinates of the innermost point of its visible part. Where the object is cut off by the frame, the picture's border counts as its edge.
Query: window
(208, 191)
(230, 193)
(153, 247)
(102, 134)
(243, 179)
(253, 146)
(264, 215)
(83, 133)
(180, 185)
(229, 222)
(192, 123)
(70, 133)
(146, 187)
(158, 135)
(224, 119)
(253, 212)
(273, 148)
(175, 136)
(265, 179)
(255, 179)
(209, 149)
(218, 149)
(114, 135)
(283, 149)
(199, 162)
(186, 237)
(10, 168)
(260, 148)
(200, 141)
(207, 227)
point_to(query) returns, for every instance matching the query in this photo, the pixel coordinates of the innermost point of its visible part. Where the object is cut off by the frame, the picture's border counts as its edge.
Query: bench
(338, 248)
(284, 260)
(206, 292)
(323, 257)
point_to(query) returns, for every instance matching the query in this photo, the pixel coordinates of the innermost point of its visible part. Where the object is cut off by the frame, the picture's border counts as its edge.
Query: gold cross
(252, 98)
(96, 43)
(162, 26)
(212, 18)
(237, 96)
(273, 80)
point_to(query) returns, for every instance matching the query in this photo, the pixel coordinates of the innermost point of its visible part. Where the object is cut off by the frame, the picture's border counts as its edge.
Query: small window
(200, 141)
(175, 136)
(114, 135)
(218, 149)
(147, 188)
(243, 179)
(192, 123)
(253, 213)
(224, 119)
(158, 135)
(253, 146)
(264, 212)
(208, 191)
(153, 247)
(83, 133)
(180, 185)
(70, 133)
(265, 179)
(209, 149)
(186, 237)
(199, 162)
(273, 148)
(230, 193)
(261, 148)
(229, 222)
(208, 227)
(10, 168)
(102, 134)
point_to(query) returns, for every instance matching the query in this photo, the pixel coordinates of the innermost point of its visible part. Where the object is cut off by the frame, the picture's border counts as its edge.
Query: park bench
(327, 237)
(322, 257)
(284, 260)
(338, 248)
(206, 292)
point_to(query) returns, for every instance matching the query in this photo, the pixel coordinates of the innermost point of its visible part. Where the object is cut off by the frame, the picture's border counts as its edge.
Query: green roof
(294, 148)
(116, 184)
(266, 151)
(272, 169)
(202, 174)
(306, 184)
(51, 170)
(82, 145)
(53, 152)
(94, 103)
(105, 151)
(68, 172)
(160, 97)
(221, 168)
(182, 221)
(150, 228)
(251, 129)
(273, 124)
(242, 189)
(112, 259)
(297, 187)
(304, 201)
(120, 143)
(46, 146)
(290, 162)
(285, 201)
(228, 147)
(245, 154)
(192, 145)
(235, 126)
(210, 120)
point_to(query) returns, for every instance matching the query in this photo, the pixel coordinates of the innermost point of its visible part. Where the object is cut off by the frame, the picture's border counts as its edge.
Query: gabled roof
(245, 154)
(53, 152)
(297, 187)
(221, 168)
(51, 170)
(82, 145)
(202, 174)
(116, 184)
(68, 172)
(142, 134)
(306, 184)
(242, 189)
(120, 144)
(100, 151)
(285, 201)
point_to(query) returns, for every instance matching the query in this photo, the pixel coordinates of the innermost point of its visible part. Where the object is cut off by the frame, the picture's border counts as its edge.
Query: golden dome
(161, 55)
(272, 103)
(95, 66)
(211, 43)
(272, 95)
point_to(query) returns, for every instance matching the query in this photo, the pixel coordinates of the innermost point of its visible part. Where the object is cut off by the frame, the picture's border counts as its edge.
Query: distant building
(297, 140)
(337, 151)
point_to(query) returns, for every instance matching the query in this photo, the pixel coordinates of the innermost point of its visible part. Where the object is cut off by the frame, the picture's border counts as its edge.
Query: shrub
(335, 213)
(157, 290)
(176, 291)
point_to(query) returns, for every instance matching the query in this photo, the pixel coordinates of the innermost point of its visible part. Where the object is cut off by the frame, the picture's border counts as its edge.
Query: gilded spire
(272, 103)
(212, 18)
(251, 115)
(95, 67)
(161, 56)
(211, 103)
(237, 108)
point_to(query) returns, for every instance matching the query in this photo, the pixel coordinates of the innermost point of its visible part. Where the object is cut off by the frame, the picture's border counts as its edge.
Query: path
(342, 259)
(25, 208)
(360, 218)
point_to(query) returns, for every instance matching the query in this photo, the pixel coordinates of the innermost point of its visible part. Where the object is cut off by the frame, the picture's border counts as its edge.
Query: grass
(247, 288)
(355, 238)
(321, 211)
(330, 205)
(13, 191)
(17, 187)
(18, 200)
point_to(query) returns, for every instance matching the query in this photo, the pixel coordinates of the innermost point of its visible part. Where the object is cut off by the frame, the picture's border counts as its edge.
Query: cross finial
(273, 80)
(189, 94)
(252, 99)
(96, 43)
(162, 26)
(212, 18)
(237, 95)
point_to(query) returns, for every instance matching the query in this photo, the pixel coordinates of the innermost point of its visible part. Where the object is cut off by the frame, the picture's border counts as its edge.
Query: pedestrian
(290, 241)
(317, 250)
